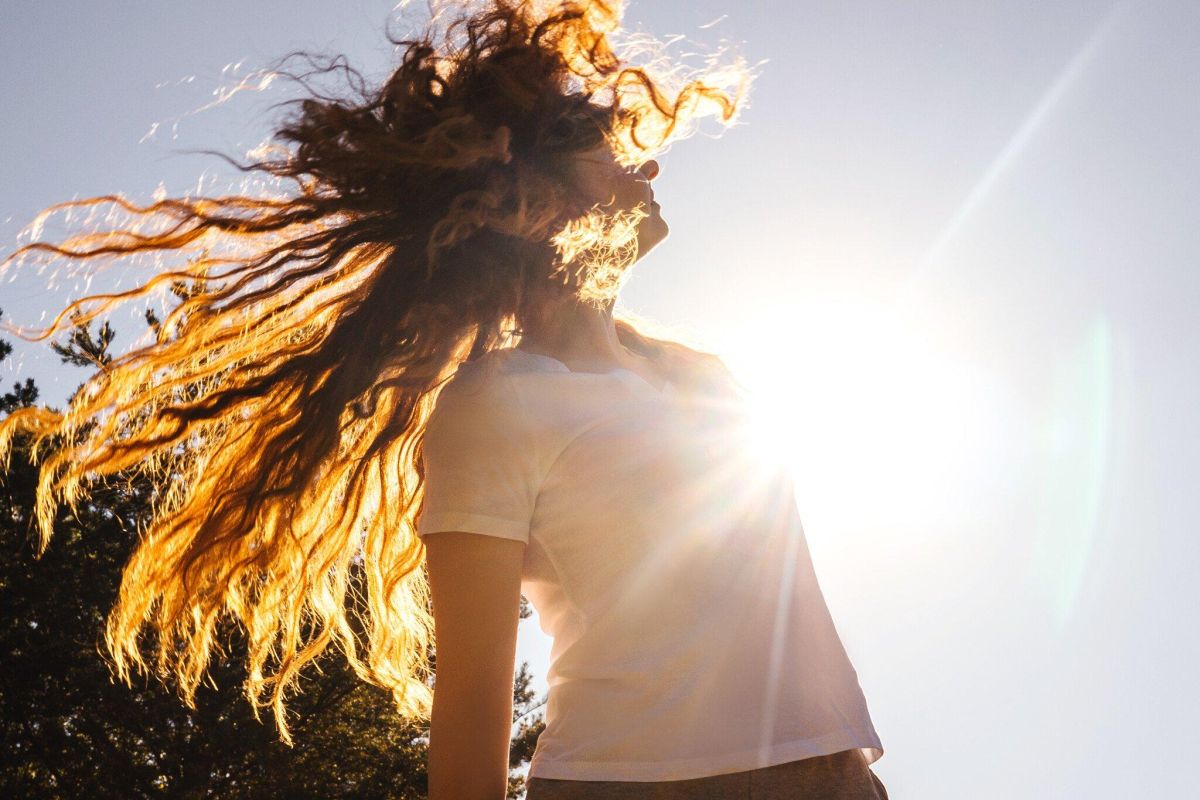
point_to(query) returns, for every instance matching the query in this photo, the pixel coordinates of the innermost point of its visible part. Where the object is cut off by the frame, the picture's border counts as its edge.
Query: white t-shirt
(665, 558)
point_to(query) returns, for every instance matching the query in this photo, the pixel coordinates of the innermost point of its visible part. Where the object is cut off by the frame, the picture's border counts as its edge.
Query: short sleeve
(480, 461)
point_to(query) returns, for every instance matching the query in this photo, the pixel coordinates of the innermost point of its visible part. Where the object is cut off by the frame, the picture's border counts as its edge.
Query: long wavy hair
(281, 405)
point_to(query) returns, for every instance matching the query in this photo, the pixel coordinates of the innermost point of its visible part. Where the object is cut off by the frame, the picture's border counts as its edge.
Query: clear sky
(953, 246)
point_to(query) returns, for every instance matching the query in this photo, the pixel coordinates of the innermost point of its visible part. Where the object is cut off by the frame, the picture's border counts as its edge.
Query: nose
(650, 169)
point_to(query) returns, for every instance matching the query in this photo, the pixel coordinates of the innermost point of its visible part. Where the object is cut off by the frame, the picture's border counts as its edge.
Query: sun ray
(1067, 77)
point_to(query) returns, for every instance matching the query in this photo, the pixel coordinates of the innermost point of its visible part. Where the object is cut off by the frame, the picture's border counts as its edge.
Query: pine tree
(68, 729)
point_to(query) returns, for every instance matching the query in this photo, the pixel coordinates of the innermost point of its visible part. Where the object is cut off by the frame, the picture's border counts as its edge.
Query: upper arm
(481, 474)
(475, 582)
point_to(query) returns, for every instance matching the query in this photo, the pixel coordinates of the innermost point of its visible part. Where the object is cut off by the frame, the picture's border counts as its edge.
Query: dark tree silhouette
(68, 729)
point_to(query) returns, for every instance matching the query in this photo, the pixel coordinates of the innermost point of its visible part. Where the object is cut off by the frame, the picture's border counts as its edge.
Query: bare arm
(475, 582)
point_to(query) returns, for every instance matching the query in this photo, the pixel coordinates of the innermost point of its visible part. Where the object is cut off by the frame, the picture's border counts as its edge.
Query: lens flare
(1074, 441)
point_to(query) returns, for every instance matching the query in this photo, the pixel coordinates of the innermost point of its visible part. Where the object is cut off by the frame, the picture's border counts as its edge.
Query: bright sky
(953, 246)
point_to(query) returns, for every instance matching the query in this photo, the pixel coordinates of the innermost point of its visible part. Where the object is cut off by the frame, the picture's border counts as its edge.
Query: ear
(501, 140)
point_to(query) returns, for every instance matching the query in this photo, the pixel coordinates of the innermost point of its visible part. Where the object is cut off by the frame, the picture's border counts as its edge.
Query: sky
(951, 247)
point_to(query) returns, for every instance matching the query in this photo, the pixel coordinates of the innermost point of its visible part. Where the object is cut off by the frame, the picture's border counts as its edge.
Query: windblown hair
(281, 405)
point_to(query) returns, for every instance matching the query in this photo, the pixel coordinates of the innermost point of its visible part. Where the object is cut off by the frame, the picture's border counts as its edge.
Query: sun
(880, 417)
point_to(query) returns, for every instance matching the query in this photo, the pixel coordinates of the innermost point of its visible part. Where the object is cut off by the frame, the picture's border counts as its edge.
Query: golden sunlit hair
(281, 405)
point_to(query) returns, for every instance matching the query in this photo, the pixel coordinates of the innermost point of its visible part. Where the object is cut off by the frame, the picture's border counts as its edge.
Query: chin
(652, 231)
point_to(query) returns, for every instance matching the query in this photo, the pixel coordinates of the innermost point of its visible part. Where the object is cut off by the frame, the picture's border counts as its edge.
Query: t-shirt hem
(708, 766)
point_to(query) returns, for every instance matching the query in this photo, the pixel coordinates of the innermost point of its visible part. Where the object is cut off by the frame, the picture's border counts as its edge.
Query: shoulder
(479, 388)
(479, 415)
(703, 373)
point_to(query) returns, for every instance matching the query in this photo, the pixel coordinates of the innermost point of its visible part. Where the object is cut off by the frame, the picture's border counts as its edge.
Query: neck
(576, 333)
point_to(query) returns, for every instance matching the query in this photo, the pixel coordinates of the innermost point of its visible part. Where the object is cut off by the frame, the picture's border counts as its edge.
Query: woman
(411, 365)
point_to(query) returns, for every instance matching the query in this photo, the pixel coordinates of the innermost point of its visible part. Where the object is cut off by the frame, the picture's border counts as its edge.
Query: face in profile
(615, 187)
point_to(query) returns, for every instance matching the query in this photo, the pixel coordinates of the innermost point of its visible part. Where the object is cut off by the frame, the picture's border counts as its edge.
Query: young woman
(411, 364)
